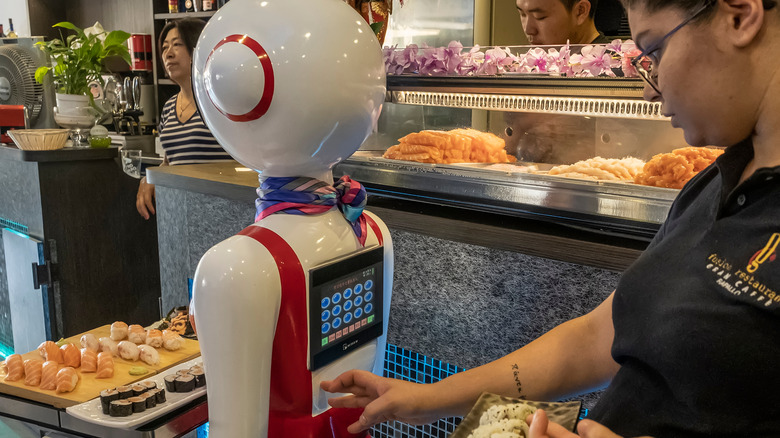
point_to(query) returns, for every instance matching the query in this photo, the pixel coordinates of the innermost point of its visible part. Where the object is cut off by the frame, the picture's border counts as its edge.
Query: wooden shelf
(169, 16)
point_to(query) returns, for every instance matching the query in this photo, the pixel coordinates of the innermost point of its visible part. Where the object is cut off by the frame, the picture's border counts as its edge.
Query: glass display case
(545, 121)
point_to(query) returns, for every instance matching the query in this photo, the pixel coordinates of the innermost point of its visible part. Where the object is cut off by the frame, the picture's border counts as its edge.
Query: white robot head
(289, 88)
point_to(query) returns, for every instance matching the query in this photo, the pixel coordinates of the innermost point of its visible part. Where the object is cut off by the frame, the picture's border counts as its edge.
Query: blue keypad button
(369, 308)
(325, 302)
(358, 301)
(325, 328)
(336, 298)
(347, 318)
(347, 293)
(347, 306)
(369, 284)
(325, 316)
(337, 323)
(369, 296)
(358, 312)
(358, 288)
(336, 310)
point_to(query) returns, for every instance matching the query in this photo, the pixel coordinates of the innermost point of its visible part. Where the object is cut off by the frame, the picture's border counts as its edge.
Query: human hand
(383, 399)
(144, 200)
(541, 427)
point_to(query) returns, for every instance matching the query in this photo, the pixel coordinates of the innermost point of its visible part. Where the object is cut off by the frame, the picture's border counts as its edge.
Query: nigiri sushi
(71, 355)
(171, 340)
(118, 331)
(90, 341)
(32, 372)
(105, 365)
(154, 338)
(136, 334)
(50, 351)
(67, 378)
(109, 345)
(128, 350)
(49, 375)
(14, 366)
(88, 360)
(148, 354)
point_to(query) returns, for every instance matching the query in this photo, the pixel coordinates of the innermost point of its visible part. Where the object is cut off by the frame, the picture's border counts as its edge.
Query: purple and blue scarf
(302, 195)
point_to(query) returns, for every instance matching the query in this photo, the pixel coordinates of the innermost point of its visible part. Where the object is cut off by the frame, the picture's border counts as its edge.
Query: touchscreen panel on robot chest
(345, 306)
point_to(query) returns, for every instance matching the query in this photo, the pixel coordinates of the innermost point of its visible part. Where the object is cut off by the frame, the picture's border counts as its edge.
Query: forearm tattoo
(518, 383)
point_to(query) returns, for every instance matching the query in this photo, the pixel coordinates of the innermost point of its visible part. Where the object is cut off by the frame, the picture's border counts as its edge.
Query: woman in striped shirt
(184, 137)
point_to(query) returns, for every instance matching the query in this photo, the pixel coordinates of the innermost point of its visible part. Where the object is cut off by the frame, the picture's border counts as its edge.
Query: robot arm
(236, 302)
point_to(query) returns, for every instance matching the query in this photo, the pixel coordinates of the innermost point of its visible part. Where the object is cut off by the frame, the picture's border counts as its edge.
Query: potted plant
(77, 61)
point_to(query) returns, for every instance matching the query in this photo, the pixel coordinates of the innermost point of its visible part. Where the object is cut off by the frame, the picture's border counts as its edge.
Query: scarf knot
(302, 196)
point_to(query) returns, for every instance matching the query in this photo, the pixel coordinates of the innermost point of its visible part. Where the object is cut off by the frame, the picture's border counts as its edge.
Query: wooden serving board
(89, 387)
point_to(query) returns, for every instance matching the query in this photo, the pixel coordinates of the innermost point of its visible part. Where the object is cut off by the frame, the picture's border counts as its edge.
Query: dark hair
(687, 6)
(569, 5)
(189, 31)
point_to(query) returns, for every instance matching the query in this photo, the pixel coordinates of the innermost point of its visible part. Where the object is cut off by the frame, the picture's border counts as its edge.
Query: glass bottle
(208, 5)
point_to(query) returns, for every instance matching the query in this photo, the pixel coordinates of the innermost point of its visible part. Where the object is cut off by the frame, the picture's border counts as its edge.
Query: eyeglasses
(647, 61)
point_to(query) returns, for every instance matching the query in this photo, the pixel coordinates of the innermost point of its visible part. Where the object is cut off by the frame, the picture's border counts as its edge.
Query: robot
(290, 89)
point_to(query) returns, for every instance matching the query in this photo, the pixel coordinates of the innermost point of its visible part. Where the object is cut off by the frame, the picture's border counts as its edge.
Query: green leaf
(116, 37)
(40, 74)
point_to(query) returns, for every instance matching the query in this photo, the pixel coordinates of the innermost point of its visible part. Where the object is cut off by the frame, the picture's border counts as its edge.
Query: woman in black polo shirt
(688, 344)
(183, 135)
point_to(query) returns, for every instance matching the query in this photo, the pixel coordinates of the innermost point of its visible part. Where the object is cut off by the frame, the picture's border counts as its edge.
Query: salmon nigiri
(136, 334)
(32, 372)
(50, 351)
(49, 375)
(14, 368)
(67, 378)
(71, 355)
(105, 365)
(88, 360)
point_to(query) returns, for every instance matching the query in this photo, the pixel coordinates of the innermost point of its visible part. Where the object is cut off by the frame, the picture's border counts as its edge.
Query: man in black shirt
(554, 22)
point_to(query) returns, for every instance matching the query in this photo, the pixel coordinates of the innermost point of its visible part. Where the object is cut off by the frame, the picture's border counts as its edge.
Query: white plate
(92, 411)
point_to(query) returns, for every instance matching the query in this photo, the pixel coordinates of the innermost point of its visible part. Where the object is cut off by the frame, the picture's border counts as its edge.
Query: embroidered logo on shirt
(767, 253)
(743, 283)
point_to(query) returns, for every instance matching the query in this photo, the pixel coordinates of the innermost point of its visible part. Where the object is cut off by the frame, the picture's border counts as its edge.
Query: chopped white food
(504, 421)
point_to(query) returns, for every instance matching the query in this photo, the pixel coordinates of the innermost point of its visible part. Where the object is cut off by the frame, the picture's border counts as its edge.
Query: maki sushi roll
(138, 389)
(149, 385)
(182, 372)
(200, 378)
(124, 392)
(106, 397)
(160, 395)
(139, 403)
(151, 398)
(169, 382)
(120, 408)
(185, 383)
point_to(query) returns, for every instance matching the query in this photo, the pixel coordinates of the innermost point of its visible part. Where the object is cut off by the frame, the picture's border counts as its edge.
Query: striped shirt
(188, 142)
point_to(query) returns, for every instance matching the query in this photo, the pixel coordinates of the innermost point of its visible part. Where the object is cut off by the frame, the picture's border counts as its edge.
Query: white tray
(92, 411)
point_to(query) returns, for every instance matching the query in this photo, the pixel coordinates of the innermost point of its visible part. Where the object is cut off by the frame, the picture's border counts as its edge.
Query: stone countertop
(11, 153)
(234, 182)
(229, 180)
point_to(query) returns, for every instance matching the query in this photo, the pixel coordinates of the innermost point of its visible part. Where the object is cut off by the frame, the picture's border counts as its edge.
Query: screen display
(345, 305)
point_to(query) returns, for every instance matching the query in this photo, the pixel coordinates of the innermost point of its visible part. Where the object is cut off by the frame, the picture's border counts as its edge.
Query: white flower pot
(74, 105)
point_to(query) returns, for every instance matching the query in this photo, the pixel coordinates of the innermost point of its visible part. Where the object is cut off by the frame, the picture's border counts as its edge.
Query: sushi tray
(493, 405)
(93, 412)
(88, 386)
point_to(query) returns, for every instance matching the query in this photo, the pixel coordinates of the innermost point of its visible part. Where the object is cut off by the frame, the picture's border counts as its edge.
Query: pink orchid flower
(596, 61)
